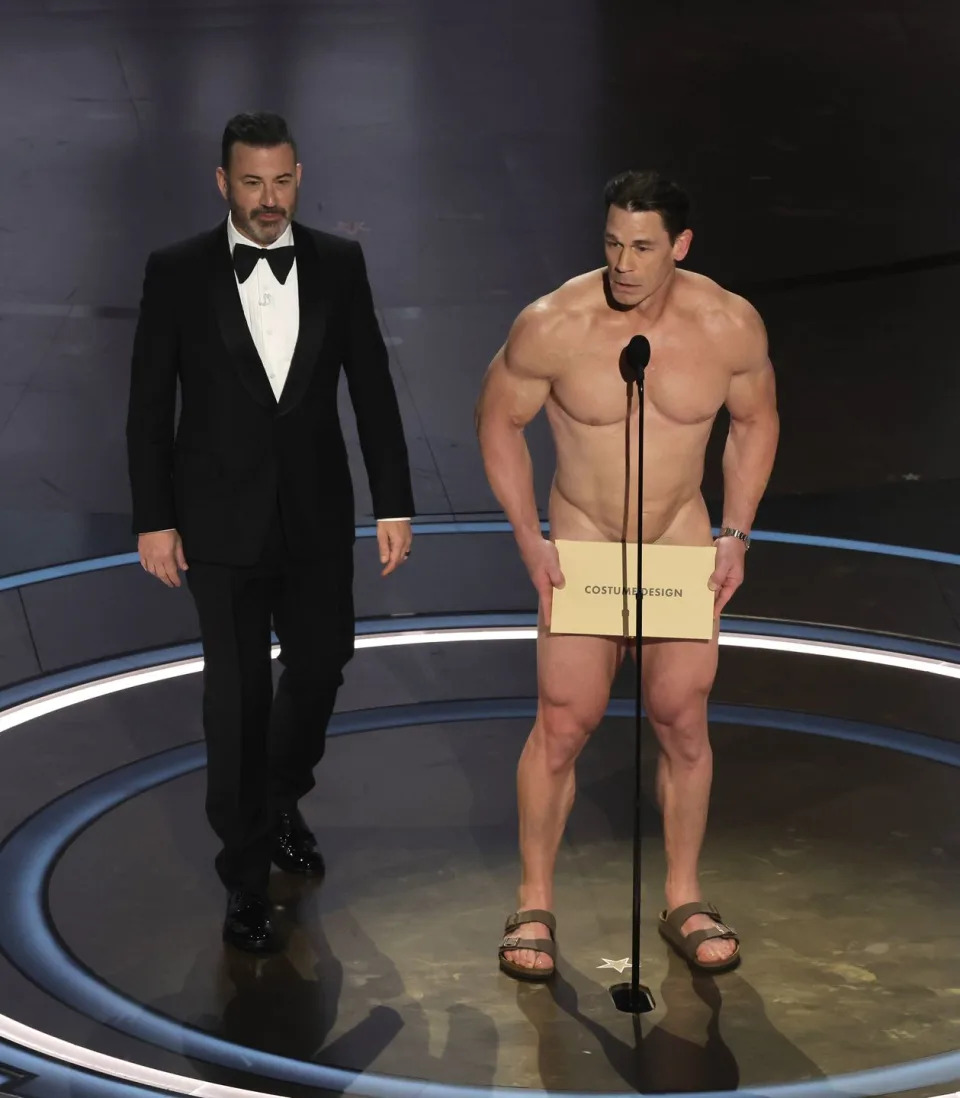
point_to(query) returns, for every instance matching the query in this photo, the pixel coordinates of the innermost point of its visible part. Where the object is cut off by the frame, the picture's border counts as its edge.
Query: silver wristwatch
(729, 532)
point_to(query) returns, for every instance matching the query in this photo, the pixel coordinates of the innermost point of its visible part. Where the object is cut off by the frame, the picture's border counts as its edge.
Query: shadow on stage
(684, 1053)
(288, 1005)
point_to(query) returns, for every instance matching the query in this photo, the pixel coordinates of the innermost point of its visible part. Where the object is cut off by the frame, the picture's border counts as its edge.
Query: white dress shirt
(272, 309)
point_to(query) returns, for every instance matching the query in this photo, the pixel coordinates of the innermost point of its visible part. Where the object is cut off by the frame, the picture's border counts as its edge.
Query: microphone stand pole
(634, 997)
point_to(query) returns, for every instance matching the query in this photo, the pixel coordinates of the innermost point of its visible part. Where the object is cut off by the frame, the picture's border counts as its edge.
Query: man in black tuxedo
(249, 494)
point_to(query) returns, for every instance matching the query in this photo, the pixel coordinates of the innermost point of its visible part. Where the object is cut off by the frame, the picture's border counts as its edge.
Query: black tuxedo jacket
(235, 453)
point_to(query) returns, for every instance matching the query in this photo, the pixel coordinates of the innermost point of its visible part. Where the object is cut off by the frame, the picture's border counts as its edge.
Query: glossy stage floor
(832, 848)
(466, 146)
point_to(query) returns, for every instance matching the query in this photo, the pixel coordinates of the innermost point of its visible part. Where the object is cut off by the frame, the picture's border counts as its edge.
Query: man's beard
(256, 229)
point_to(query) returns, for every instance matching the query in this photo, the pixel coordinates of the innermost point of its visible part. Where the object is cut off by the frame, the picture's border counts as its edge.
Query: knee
(681, 729)
(562, 732)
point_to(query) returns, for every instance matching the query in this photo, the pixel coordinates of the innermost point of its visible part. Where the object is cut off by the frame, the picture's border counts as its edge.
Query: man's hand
(161, 554)
(728, 571)
(394, 539)
(543, 564)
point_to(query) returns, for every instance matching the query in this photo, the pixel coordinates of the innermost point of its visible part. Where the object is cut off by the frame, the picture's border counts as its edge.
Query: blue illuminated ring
(97, 564)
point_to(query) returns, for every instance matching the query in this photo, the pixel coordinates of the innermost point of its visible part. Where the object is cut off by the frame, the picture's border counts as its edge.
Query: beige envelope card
(677, 603)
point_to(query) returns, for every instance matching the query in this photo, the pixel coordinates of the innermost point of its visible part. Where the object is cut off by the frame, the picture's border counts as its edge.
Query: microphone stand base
(627, 1002)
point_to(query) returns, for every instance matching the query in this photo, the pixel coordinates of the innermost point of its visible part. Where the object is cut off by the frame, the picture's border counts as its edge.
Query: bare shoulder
(538, 344)
(726, 316)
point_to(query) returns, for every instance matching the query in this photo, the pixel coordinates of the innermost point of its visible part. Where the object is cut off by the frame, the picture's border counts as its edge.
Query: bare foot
(530, 958)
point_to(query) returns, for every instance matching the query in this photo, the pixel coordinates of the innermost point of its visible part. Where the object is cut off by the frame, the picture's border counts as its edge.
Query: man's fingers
(158, 572)
(398, 545)
(383, 540)
(545, 590)
(181, 559)
(725, 594)
(165, 570)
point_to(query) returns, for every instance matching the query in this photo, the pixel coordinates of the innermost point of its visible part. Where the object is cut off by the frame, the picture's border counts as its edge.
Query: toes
(525, 958)
(529, 958)
(718, 951)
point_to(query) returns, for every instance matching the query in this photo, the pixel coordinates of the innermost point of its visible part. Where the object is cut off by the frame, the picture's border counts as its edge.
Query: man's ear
(682, 245)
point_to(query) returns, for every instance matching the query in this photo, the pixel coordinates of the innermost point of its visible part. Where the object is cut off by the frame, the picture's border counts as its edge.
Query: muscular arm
(754, 426)
(515, 388)
(751, 445)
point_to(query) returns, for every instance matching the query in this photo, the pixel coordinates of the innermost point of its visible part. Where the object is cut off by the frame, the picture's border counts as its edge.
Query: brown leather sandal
(540, 945)
(687, 944)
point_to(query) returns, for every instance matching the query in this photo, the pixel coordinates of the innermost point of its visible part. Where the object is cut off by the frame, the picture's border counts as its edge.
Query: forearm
(747, 463)
(509, 468)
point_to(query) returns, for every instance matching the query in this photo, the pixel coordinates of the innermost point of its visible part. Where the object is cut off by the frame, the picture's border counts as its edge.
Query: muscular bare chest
(685, 382)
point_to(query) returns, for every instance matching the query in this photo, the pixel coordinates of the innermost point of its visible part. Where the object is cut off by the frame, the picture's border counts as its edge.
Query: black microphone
(634, 359)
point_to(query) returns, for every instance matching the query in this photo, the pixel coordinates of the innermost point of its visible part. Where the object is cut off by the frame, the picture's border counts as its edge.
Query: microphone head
(634, 359)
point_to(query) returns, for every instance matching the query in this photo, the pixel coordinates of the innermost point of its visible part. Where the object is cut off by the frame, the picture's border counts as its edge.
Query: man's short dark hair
(637, 191)
(260, 129)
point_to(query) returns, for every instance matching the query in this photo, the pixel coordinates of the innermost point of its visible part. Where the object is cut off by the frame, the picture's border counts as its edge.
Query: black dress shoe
(248, 925)
(295, 849)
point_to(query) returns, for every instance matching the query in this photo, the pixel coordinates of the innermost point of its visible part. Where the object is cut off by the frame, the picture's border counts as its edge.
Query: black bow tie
(245, 258)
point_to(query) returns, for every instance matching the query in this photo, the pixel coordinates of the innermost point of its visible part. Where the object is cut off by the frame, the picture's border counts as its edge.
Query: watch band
(730, 532)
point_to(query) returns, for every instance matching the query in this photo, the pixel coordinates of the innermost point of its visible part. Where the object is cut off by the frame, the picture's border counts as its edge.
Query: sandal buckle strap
(521, 918)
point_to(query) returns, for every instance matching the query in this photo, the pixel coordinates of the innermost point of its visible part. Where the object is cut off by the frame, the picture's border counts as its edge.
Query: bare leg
(575, 674)
(677, 678)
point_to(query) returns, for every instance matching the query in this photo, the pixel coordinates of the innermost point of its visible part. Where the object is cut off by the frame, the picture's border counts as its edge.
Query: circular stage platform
(832, 849)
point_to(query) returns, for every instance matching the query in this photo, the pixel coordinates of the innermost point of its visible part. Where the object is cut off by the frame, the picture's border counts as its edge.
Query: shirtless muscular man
(708, 350)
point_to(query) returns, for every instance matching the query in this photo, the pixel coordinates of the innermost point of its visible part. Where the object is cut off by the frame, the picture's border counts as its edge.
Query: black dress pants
(262, 748)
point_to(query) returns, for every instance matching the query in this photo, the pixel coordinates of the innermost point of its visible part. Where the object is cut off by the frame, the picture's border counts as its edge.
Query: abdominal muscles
(589, 499)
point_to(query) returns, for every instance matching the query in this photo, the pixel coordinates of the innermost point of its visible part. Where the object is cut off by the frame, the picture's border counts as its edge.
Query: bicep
(752, 391)
(516, 385)
(510, 395)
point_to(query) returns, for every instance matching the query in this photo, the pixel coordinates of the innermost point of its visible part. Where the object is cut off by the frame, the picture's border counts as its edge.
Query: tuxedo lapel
(314, 295)
(233, 324)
